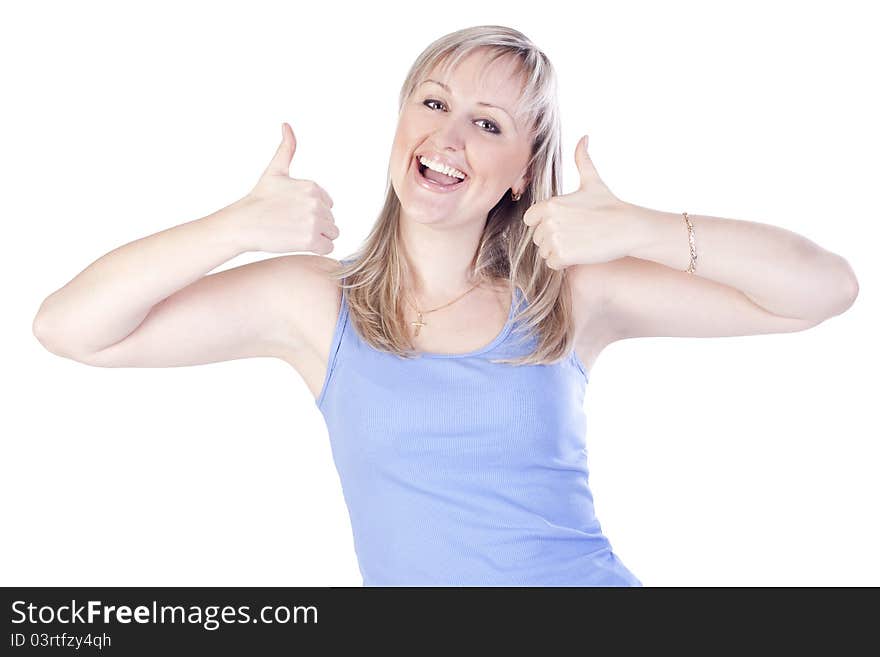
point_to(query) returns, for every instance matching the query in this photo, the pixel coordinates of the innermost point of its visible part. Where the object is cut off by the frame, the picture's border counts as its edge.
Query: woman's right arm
(148, 303)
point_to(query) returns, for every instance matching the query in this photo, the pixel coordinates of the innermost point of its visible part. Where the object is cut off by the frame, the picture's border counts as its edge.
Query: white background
(725, 461)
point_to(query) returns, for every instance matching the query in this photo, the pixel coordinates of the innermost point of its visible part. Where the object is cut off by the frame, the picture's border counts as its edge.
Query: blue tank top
(461, 472)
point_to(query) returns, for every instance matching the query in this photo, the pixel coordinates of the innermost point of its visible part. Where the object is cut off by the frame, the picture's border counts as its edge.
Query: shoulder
(303, 277)
(308, 263)
(308, 295)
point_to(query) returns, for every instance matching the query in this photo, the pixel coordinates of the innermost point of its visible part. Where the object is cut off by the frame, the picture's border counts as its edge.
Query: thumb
(280, 164)
(585, 166)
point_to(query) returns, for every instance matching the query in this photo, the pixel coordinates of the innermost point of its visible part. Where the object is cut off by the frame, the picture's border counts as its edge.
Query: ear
(521, 183)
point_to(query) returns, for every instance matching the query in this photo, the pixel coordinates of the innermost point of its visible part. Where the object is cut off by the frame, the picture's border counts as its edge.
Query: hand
(285, 214)
(587, 226)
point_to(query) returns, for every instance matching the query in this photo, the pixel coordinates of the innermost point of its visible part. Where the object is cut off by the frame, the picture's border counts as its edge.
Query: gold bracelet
(693, 264)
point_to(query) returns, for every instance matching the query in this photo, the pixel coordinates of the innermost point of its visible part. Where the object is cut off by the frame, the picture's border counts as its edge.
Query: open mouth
(440, 180)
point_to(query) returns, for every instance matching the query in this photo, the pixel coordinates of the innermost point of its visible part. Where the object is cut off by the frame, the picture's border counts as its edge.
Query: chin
(426, 218)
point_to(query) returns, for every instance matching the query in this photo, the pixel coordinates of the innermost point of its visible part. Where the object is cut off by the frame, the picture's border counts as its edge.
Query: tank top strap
(335, 343)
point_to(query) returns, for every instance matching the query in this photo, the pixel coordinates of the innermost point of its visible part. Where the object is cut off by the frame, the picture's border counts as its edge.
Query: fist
(288, 214)
(588, 226)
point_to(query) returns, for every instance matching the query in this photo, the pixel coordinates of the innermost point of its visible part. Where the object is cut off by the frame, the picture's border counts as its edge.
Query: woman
(449, 356)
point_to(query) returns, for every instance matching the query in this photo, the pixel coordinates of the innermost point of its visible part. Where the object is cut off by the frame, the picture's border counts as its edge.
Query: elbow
(839, 284)
(40, 327)
(54, 336)
(854, 292)
(46, 337)
(843, 301)
(849, 288)
(48, 333)
(853, 287)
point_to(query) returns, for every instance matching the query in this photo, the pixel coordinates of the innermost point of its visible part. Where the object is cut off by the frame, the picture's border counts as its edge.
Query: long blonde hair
(375, 276)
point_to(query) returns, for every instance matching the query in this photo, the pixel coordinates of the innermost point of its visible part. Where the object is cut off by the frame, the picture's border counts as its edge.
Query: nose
(449, 135)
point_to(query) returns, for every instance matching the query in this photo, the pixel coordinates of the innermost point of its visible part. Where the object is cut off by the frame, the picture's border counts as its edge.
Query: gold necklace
(419, 324)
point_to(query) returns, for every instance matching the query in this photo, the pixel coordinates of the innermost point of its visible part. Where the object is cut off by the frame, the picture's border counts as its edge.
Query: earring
(516, 197)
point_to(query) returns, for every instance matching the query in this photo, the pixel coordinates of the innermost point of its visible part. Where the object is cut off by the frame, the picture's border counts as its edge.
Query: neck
(439, 259)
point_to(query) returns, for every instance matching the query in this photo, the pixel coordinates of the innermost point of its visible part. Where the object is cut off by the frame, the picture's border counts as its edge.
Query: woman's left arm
(781, 271)
(746, 276)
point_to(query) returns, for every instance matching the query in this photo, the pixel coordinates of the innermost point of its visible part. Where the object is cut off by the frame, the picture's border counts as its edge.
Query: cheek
(409, 136)
(493, 170)
(412, 120)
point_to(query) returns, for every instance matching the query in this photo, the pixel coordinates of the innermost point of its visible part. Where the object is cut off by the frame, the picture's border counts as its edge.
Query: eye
(495, 129)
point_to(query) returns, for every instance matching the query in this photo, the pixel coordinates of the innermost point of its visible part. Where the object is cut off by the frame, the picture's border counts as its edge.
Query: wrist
(658, 230)
(231, 224)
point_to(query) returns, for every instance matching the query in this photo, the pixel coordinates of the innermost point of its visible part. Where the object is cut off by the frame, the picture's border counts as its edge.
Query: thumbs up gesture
(286, 214)
(589, 225)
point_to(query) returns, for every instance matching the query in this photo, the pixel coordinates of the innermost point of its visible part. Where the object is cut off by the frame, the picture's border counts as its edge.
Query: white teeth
(442, 168)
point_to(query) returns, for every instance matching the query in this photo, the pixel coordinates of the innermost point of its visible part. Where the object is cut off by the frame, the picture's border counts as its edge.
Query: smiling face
(446, 118)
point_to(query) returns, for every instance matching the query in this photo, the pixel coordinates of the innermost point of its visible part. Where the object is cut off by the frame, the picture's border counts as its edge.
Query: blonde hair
(376, 276)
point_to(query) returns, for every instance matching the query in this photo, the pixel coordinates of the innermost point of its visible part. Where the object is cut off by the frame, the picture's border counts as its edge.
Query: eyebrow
(479, 103)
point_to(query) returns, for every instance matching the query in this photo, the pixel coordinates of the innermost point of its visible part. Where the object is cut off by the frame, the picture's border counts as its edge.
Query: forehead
(499, 81)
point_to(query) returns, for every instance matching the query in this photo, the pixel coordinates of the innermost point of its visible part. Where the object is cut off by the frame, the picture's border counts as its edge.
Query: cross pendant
(418, 324)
